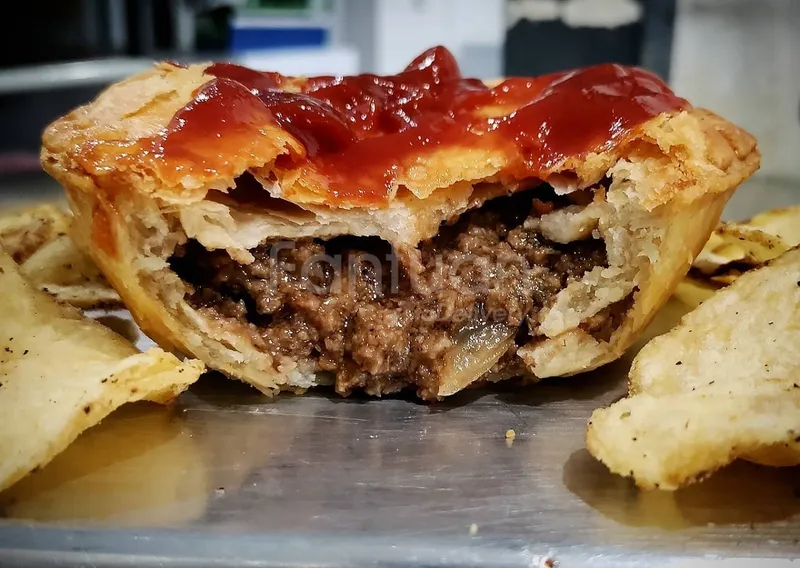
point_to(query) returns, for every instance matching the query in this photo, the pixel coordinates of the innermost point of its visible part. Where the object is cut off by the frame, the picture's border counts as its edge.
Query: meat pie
(422, 230)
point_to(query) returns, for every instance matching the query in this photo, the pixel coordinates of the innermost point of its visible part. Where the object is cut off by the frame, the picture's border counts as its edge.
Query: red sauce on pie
(361, 131)
(222, 117)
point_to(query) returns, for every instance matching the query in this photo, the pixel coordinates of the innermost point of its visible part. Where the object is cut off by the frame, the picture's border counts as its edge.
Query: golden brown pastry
(421, 230)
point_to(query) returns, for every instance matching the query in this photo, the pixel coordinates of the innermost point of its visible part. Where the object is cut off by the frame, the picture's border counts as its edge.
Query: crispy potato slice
(24, 231)
(739, 245)
(61, 269)
(723, 384)
(39, 240)
(62, 373)
(735, 248)
(783, 223)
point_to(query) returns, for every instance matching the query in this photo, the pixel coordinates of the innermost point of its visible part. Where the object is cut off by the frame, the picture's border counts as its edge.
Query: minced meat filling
(380, 320)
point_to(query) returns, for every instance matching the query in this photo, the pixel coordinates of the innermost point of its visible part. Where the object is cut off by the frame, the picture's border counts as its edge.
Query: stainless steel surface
(229, 477)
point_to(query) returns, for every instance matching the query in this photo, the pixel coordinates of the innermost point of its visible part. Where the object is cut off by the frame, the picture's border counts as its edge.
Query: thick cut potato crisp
(737, 247)
(39, 239)
(723, 384)
(24, 231)
(783, 223)
(61, 373)
(734, 248)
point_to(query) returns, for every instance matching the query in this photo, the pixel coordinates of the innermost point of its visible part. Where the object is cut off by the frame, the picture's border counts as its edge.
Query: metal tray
(227, 477)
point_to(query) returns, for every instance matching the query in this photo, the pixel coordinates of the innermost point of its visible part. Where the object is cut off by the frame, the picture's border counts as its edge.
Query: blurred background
(740, 58)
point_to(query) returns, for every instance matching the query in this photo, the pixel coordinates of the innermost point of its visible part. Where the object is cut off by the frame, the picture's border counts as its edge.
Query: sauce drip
(360, 131)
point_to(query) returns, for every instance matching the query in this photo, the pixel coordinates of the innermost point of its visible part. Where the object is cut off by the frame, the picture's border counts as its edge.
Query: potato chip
(61, 373)
(39, 240)
(738, 247)
(61, 269)
(723, 384)
(735, 248)
(23, 232)
(783, 223)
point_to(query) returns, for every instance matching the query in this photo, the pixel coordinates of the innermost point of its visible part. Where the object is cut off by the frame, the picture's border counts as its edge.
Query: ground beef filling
(382, 321)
